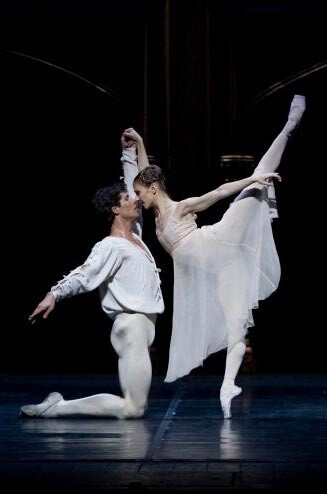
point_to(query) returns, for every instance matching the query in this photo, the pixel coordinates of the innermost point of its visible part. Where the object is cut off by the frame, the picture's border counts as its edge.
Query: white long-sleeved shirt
(130, 169)
(126, 274)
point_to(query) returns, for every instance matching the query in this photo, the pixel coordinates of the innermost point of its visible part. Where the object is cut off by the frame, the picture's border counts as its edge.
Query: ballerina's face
(146, 195)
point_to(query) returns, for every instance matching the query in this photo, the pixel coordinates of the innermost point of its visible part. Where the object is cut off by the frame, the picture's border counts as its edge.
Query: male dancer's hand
(131, 135)
(44, 307)
(126, 143)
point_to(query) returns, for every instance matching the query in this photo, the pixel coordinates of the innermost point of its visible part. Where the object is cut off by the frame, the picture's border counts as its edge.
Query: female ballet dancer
(221, 271)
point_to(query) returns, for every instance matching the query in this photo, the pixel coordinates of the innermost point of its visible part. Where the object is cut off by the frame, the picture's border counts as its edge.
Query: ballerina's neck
(163, 214)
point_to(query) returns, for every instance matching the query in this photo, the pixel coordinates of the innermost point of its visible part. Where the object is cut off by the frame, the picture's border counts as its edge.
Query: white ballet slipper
(38, 410)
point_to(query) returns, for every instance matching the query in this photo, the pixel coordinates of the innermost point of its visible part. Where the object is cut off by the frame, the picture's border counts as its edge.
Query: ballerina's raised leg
(269, 163)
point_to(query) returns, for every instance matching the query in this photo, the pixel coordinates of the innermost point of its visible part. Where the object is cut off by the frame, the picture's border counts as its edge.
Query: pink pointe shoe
(226, 396)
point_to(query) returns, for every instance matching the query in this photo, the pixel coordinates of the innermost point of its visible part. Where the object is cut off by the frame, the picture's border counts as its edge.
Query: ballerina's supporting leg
(236, 351)
(269, 163)
(229, 390)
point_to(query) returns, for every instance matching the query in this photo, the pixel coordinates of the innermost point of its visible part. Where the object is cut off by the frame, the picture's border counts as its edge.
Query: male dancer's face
(129, 208)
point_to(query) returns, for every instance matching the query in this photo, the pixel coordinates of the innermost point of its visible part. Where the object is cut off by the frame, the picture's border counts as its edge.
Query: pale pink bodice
(175, 232)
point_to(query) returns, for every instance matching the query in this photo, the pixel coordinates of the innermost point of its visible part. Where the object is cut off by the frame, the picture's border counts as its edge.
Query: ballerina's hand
(263, 178)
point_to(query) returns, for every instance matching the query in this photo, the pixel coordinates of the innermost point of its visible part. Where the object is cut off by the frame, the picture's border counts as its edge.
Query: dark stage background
(198, 79)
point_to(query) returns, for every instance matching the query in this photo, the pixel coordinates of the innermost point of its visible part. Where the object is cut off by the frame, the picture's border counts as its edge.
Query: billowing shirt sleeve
(130, 170)
(102, 264)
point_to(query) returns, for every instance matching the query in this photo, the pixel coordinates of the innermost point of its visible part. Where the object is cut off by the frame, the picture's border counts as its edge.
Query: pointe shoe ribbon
(38, 410)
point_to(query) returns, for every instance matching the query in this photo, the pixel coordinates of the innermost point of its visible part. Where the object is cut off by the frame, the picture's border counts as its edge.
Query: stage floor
(276, 440)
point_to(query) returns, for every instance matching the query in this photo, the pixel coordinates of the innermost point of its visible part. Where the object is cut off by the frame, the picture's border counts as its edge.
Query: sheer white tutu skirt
(221, 272)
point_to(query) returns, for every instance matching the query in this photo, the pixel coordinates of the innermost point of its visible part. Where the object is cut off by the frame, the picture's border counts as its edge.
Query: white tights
(268, 163)
(131, 336)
